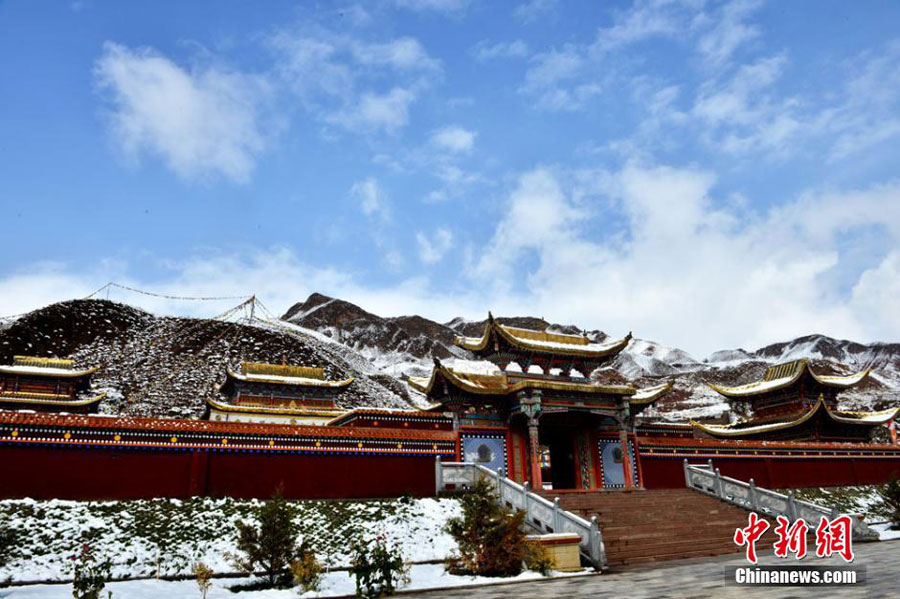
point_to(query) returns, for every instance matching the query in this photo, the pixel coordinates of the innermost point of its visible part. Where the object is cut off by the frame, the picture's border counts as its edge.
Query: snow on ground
(166, 537)
(334, 584)
(885, 531)
(864, 499)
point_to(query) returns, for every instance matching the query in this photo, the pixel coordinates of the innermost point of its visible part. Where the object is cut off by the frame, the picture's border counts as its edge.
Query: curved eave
(727, 431)
(649, 395)
(224, 407)
(296, 383)
(865, 418)
(420, 384)
(387, 412)
(56, 373)
(760, 387)
(72, 403)
(841, 382)
(754, 389)
(477, 345)
(610, 349)
(469, 386)
(858, 419)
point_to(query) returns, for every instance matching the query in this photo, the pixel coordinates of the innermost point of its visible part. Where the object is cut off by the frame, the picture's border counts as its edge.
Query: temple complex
(546, 422)
(276, 393)
(47, 385)
(794, 403)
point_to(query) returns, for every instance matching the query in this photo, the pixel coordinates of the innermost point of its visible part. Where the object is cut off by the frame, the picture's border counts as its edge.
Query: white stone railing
(541, 514)
(706, 479)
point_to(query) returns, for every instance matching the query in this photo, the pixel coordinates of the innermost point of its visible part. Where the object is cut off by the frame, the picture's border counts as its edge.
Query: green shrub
(490, 539)
(271, 546)
(889, 504)
(9, 543)
(378, 568)
(537, 559)
(307, 570)
(88, 575)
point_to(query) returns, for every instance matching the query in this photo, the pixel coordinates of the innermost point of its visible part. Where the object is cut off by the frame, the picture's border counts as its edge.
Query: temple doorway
(558, 452)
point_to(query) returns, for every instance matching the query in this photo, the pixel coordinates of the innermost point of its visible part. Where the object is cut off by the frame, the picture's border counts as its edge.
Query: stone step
(646, 526)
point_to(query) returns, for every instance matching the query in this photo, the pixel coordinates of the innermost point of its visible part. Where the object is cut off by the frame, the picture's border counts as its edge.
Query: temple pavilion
(794, 403)
(47, 385)
(276, 393)
(545, 421)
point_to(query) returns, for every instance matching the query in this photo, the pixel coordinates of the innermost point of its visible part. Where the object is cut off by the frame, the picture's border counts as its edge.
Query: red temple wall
(772, 465)
(77, 473)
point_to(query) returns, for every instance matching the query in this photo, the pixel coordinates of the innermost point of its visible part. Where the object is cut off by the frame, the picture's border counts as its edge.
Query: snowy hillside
(166, 366)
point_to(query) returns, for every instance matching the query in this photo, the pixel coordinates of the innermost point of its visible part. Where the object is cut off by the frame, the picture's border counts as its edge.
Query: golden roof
(296, 377)
(498, 384)
(648, 395)
(46, 399)
(45, 367)
(742, 429)
(43, 362)
(282, 411)
(308, 372)
(785, 375)
(542, 341)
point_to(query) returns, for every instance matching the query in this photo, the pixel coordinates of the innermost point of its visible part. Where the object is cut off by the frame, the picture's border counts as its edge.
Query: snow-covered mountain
(166, 366)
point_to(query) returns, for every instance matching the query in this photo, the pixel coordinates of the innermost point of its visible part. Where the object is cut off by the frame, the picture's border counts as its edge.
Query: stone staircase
(662, 524)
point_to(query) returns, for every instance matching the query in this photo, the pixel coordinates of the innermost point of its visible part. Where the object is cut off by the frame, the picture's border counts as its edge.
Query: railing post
(709, 464)
(791, 507)
(497, 479)
(438, 475)
(556, 518)
(595, 545)
(752, 496)
(687, 473)
(526, 487)
(719, 492)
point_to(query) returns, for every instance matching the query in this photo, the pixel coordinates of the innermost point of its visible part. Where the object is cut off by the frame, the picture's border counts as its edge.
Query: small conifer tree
(272, 545)
(490, 539)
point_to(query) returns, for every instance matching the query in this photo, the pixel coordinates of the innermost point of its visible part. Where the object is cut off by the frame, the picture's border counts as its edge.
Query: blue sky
(707, 174)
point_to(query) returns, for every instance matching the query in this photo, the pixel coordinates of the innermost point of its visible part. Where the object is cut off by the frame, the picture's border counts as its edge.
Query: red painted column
(626, 461)
(534, 454)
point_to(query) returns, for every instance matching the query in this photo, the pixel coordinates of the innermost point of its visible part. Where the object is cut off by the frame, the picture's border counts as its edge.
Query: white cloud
(341, 79)
(200, 122)
(557, 78)
(403, 53)
(646, 19)
(483, 50)
(374, 112)
(433, 247)
(532, 10)
(372, 199)
(454, 139)
(685, 268)
(730, 31)
(442, 6)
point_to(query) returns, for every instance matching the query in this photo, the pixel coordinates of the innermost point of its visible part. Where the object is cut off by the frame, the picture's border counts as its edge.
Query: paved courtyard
(702, 578)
